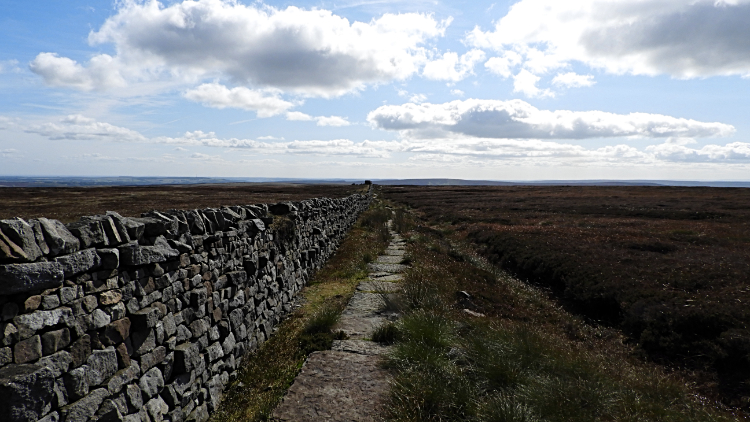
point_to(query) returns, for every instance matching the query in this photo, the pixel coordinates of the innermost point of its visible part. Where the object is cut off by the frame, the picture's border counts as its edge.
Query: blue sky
(507, 90)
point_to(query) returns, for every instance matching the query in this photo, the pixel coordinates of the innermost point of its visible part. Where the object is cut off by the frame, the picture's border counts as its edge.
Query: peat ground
(69, 203)
(667, 265)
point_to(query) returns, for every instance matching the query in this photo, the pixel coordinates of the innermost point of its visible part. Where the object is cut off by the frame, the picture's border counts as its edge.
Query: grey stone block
(157, 408)
(135, 399)
(149, 360)
(121, 224)
(146, 318)
(100, 318)
(90, 233)
(76, 383)
(200, 414)
(50, 301)
(134, 254)
(151, 383)
(103, 363)
(80, 350)
(59, 394)
(26, 391)
(6, 356)
(124, 377)
(85, 408)
(21, 278)
(28, 324)
(110, 258)
(52, 417)
(111, 234)
(142, 341)
(58, 362)
(186, 357)
(20, 239)
(58, 238)
(79, 262)
(68, 295)
(28, 350)
(53, 341)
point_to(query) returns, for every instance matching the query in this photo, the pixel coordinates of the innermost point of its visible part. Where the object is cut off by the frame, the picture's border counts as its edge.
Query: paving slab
(386, 268)
(363, 347)
(336, 386)
(378, 286)
(389, 259)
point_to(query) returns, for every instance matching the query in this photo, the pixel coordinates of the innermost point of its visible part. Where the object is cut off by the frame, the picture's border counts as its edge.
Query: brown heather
(68, 204)
(669, 266)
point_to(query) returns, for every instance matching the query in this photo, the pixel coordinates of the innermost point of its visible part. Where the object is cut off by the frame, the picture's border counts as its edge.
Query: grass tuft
(387, 334)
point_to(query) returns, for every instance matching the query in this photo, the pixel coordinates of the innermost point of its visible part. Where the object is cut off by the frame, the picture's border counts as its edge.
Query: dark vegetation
(475, 344)
(67, 204)
(269, 371)
(668, 265)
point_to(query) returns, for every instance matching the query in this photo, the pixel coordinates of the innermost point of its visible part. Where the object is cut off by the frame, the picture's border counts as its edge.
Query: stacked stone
(146, 319)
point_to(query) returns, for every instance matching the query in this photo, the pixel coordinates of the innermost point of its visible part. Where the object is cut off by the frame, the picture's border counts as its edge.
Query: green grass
(269, 371)
(528, 360)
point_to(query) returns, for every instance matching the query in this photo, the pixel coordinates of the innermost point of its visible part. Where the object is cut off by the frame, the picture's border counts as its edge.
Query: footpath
(347, 383)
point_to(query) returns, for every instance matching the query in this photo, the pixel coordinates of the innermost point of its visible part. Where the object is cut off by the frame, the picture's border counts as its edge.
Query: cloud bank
(683, 39)
(463, 150)
(520, 120)
(308, 52)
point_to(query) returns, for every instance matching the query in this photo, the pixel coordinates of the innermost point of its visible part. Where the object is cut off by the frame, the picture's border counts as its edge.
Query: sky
(504, 90)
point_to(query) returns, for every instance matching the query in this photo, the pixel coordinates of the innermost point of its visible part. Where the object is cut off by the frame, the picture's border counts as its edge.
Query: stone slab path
(346, 383)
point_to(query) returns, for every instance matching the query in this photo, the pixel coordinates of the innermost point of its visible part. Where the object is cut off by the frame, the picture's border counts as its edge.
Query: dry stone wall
(146, 319)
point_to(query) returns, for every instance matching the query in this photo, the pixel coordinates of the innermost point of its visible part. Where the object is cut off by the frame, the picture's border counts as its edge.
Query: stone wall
(146, 319)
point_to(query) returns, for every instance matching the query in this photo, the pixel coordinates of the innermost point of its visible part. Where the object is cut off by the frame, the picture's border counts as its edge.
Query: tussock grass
(387, 333)
(269, 371)
(528, 360)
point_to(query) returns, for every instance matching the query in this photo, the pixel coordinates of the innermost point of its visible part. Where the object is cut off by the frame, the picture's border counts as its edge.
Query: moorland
(668, 266)
(67, 204)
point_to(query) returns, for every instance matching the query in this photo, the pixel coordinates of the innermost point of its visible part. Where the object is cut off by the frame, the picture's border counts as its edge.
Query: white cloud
(264, 103)
(732, 152)
(525, 83)
(518, 119)
(418, 98)
(9, 66)
(321, 120)
(457, 92)
(77, 127)
(503, 65)
(298, 115)
(310, 52)
(270, 138)
(101, 73)
(8, 153)
(450, 67)
(447, 146)
(6, 123)
(573, 80)
(684, 39)
(332, 121)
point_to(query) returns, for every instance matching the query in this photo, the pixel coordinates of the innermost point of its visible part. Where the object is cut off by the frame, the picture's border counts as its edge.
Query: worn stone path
(346, 383)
